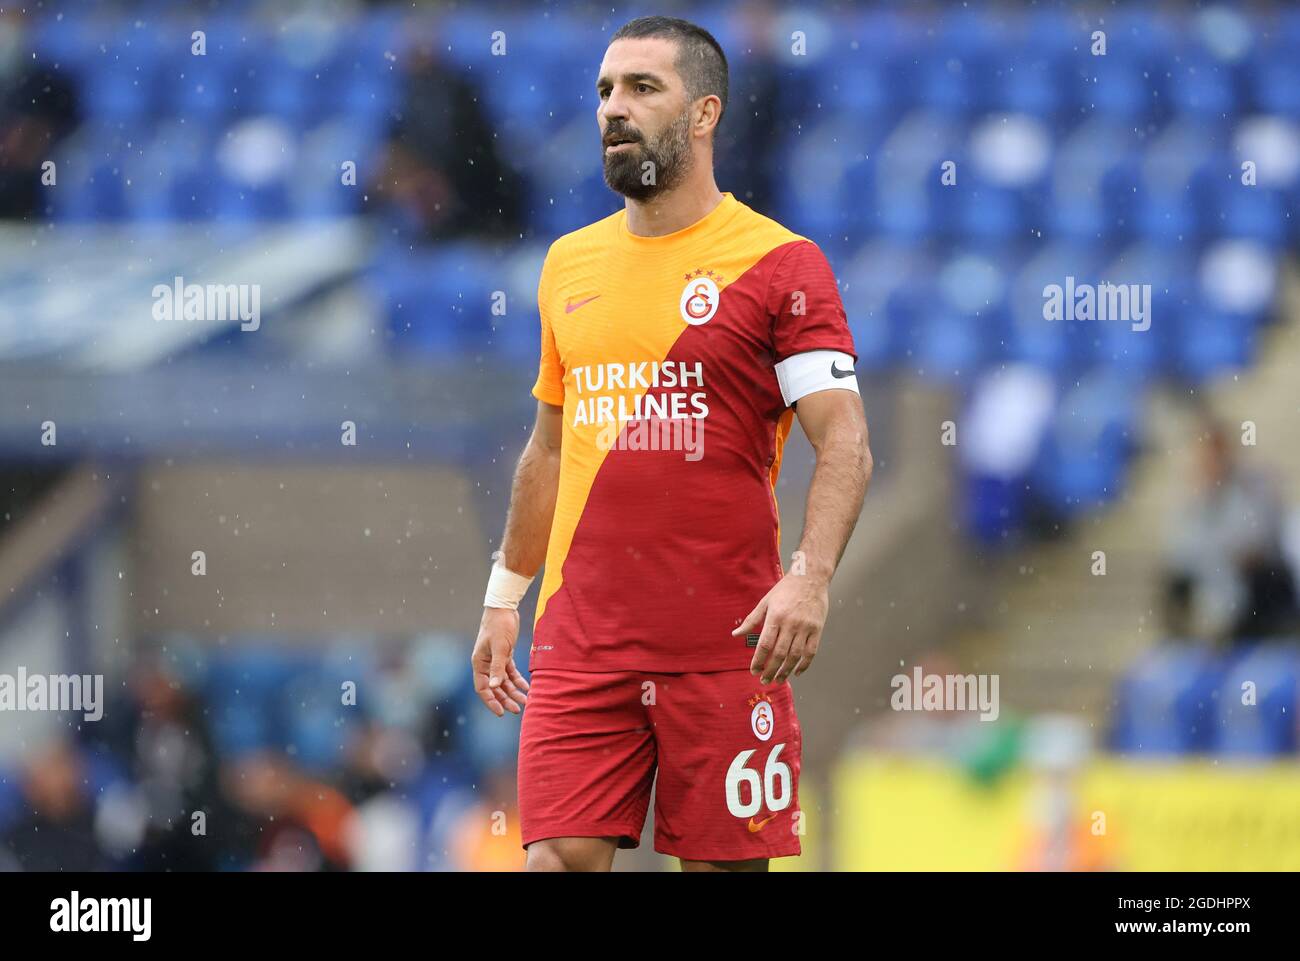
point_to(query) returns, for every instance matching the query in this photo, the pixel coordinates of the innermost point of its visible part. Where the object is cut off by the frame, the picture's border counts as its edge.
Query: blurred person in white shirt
(1226, 576)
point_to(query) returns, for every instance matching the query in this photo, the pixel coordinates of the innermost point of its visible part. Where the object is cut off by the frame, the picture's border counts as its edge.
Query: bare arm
(793, 612)
(532, 497)
(837, 429)
(523, 550)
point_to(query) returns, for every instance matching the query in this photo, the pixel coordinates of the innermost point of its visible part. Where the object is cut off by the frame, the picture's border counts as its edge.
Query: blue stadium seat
(206, 90)
(1141, 33)
(558, 212)
(1027, 81)
(378, 32)
(244, 687)
(366, 94)
(905, 216)
(1202, 86)
(245, 203)
(1078, 218)
(439, 301)
(1211, 343)
(812, 212)
(1274, 83)
(317, 724)
(1165, 703)
(1138, 354)
(873, 336)
(951, 85)
(880, 31)
(465, 37)
(195, 191)
(121, 82)
(318, 191)
(957, 72)
(90, 185)
(1269, 677)
(989, 214)
(12, 800)
(951, 346)
(1164, 216)
(1250, 213)
(68, 42)
(285, 90)
(1117, 87)
(102, 771)
(1089, 444)
(517, 336)
(857, 86)
(993, 508)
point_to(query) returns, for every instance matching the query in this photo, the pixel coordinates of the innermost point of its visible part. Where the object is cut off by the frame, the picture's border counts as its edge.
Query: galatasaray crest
(761, 719)
(699, 300)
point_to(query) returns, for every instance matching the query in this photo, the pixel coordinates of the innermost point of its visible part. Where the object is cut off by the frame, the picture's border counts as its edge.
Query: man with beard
(666, 629)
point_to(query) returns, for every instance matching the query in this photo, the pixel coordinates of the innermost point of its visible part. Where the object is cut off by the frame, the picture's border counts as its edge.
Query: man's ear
(708, 113)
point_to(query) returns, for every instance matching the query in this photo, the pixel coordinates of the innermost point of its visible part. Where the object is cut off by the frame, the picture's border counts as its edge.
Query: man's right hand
(496, 679)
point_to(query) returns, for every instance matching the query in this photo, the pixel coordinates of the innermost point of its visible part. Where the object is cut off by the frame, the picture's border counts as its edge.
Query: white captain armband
(815, 370)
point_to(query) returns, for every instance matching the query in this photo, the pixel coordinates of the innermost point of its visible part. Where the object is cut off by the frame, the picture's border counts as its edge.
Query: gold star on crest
(701, 272)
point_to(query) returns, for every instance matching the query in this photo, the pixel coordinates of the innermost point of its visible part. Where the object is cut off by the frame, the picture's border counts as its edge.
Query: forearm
(532, 508)
(835, 495)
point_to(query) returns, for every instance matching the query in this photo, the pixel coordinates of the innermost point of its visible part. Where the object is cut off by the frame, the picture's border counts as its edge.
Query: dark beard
(670, 153)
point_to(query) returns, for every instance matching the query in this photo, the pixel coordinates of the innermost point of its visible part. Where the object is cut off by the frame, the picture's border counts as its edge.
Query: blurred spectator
(442, 172)
(161, 738)
(486, 836)
(1226, 575)
(37, 109)
(1058, 832)
(304, 820)
(57, 830)
(752, 117)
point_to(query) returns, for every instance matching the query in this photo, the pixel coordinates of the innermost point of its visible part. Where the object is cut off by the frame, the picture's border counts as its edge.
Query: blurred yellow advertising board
(912, 814)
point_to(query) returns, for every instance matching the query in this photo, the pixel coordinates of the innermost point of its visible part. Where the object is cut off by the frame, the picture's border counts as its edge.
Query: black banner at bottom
(335, 911)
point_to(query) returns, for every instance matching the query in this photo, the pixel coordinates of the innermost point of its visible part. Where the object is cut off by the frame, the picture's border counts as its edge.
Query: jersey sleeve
(549, 386)
(804, 304)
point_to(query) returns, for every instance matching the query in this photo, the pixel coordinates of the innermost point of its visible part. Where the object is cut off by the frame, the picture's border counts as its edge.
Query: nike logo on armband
(836, 372)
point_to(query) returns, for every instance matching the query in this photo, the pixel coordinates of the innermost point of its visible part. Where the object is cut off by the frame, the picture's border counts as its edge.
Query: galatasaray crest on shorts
(700, 297)
(761, 719)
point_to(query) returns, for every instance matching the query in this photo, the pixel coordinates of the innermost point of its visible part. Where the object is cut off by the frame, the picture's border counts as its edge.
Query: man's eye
(603, 94)
(641, 88)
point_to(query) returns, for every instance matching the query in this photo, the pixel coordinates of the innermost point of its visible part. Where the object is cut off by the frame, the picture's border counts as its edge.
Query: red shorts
(726, 750)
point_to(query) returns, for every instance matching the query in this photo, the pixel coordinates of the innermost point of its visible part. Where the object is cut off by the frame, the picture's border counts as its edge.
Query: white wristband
(505, 588)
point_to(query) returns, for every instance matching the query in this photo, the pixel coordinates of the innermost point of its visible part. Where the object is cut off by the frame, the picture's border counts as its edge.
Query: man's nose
(614, 108)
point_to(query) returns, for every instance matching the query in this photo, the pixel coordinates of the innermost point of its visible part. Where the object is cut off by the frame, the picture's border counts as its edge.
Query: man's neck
(674, 210)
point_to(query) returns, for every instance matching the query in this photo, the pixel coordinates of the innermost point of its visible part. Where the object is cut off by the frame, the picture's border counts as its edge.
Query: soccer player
(679, 337)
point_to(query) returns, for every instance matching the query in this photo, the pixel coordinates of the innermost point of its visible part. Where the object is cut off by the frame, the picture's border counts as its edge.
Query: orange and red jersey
(663, 352)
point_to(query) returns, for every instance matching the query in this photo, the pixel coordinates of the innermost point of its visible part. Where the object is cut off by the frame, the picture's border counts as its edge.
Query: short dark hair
(700, 59)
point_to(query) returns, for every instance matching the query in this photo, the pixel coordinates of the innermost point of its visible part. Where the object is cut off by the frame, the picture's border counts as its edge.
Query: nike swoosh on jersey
(755, 828)
(571, 307)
